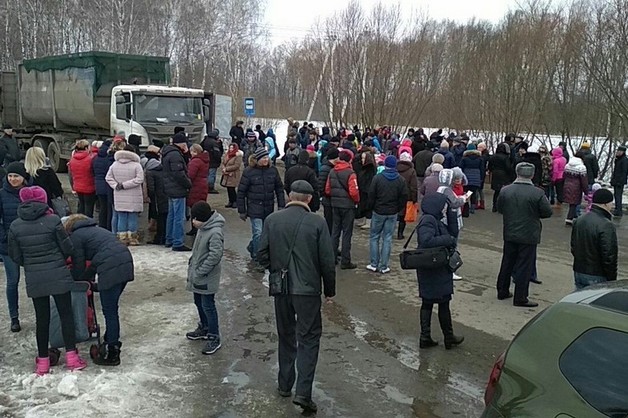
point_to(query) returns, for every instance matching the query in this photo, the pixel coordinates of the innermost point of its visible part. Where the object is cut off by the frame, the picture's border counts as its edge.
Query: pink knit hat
(33, 194)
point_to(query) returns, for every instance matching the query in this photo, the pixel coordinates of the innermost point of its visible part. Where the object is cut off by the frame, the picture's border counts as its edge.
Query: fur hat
(601, 197)
(585, 145)
(405, 156)
(201, 211)
(525, 170)
(438, 158)
(437, 168)
(444, 144)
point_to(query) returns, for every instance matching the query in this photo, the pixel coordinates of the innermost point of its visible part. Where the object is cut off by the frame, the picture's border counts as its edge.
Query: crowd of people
(374, 179)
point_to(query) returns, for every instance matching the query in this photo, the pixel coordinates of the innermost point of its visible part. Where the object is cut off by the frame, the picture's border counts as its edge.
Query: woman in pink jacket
(558, 176)
(125, 177)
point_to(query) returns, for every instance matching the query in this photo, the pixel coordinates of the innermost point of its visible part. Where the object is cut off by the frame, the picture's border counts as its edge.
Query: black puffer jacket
(620, 171)
(594, 244)
(110, 259)
(176, 181)
(257, 190)
(302, 171)
(312, 257)
(9, 150)
(47, 179)
(422, 160)
(523, 206)
(593, 168)
(388, 194)
(323, 175)
(501, 168)
(100, 165)
(38, 242)
(534, 158)
(155, 185)
(9, 202)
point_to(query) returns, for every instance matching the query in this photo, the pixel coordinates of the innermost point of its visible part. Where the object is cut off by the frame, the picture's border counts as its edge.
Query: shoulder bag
(423, 258)
(278, 280)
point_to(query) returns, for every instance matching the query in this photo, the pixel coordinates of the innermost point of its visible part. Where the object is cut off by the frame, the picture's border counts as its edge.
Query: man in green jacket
(296, 240)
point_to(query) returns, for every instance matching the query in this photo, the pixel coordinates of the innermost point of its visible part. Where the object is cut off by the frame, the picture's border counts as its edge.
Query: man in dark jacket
(458, 150)
(342, 189)
(298, 312)
(215, 149)
(100, 166)
(262, 134)
(323, 175)
(158, 199)
(259, 186)
(303, 172)
(386, 198)
(9, 148)
(590, 162)
(523, 206)
(618, 180)
(237, 132)
(177, 185)
(594, 243)
(422, 160)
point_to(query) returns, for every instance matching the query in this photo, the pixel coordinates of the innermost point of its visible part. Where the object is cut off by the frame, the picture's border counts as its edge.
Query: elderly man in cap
(259, 185)
(177, 186)
(594, 243)
(297, 241)
(523, 206)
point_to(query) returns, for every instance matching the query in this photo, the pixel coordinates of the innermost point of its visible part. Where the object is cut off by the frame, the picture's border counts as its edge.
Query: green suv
(571, 360)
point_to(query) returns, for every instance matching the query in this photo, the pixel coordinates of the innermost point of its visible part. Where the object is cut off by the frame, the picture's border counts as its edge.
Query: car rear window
(596, 365)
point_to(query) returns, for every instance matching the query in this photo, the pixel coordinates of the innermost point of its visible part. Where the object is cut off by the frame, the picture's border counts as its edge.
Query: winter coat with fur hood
(576, 181)
(127, 171)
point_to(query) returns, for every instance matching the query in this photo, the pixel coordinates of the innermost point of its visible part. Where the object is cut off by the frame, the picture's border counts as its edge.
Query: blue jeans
(382, 227)
(12, 271)
(109, 301)
(114, 221)
(176, 221)
(211, 177)
(583, 280)
(256, 233)
(207, 313)
(127, 221)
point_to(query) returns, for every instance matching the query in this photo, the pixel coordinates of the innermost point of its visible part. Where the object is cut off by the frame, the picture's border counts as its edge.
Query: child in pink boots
(39, 243)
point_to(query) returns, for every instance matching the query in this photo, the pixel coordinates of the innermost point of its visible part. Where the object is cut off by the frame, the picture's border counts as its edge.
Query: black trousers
(104, 212)
(299, 328)
(518, 262)
(86, 204)
(618, 191)
(495, 196)
(42, 321)
(343, 223)
(160, 230)
(571, 214)
(328, 214)
(233, 195)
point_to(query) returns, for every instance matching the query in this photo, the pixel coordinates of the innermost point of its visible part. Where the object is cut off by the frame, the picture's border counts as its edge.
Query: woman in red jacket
(82, 177)
(198, 170)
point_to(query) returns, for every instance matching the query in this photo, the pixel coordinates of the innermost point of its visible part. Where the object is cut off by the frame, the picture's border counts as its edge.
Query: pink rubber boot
(73, 361)
(42, 365)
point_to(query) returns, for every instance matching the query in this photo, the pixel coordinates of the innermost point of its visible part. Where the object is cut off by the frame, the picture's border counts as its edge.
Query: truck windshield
(167, 109)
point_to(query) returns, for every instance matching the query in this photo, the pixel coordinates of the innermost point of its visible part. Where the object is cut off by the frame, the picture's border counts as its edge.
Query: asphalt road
(369, 366)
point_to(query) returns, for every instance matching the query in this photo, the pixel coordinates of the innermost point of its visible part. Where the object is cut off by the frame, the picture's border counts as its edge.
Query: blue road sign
(249, 106)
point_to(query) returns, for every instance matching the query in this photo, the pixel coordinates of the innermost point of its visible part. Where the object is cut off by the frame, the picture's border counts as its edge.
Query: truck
(51, 102)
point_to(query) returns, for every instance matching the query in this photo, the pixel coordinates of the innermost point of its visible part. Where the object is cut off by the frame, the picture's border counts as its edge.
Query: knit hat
(180, 138)
(310, 148)
(332, 154)
(444, 144)
(405, 156)
(201, 211)
(525, 170)
(585, 145)
(135, 140)
(345, 155)
(17, 167)
(471, 147)
(302, 186)
(390, 162)
(437, 168)
(33, 194)
(250, 135)
(602, 196)
(445, 177)
(260, 153)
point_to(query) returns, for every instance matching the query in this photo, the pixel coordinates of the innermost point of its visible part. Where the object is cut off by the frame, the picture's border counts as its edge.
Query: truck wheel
(58, 164)
(41, 143)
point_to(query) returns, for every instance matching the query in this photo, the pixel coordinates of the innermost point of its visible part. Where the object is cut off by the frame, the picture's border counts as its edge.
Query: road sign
(249, 106)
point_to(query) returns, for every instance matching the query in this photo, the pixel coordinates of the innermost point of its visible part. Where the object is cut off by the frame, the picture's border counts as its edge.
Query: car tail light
(494, 379)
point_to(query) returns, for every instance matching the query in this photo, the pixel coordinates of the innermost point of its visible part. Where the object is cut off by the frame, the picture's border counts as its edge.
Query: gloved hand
(243, 216)
(119, 186)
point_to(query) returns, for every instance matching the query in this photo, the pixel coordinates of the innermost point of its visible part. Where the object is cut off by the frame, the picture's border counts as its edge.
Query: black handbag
(455, 261)
(278, 281)
(423, 258)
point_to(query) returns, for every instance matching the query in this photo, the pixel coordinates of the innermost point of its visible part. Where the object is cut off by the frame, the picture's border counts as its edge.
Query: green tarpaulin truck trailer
(53, 101)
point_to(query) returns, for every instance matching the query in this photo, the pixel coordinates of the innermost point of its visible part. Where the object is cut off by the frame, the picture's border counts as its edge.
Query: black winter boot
(400, 229)
(426, 340)
(108, 355)
(444, 317)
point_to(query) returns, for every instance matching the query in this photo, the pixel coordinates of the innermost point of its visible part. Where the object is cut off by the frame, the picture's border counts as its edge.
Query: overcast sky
(290, 19)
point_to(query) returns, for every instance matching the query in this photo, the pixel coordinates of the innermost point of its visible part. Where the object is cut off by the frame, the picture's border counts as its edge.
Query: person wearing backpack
(213, 146)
